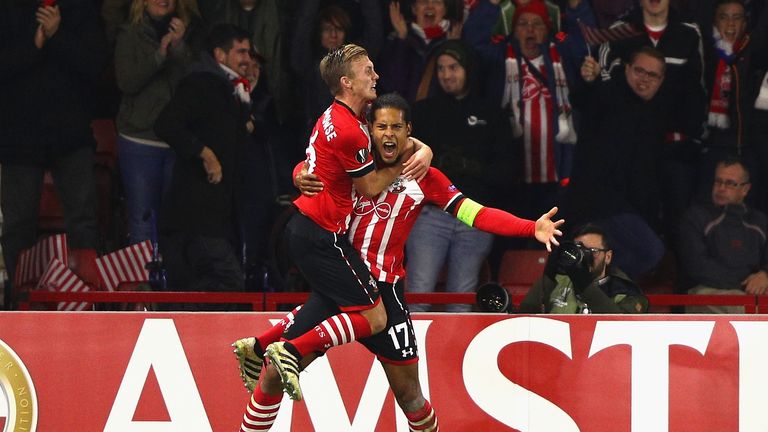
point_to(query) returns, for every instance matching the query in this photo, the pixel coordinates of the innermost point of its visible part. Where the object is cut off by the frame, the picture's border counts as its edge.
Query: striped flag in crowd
(33, 262)
(58, 277)
(597, 36)
(125, 265)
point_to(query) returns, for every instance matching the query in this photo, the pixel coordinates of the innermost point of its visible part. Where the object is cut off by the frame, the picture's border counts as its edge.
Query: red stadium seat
(107, 183)
(105, 133)
(519, 269)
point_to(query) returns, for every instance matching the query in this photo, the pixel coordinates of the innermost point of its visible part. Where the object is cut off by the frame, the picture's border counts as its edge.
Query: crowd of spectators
(554, 106)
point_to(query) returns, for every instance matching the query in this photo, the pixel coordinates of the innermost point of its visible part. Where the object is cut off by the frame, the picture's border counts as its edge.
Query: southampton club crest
(18, 400)
(397, 186)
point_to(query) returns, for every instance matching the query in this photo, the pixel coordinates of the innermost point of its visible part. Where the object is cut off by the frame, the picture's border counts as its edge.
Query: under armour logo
(407, 352)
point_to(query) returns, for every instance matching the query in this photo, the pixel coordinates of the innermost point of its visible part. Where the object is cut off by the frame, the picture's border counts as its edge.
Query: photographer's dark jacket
(721, 246)
(616, 293)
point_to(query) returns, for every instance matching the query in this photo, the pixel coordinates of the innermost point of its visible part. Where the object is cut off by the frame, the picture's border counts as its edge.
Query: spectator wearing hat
(529, 78)
(503, 25)
(471, 140)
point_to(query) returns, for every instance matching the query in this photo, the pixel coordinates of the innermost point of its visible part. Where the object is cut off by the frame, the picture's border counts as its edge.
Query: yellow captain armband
(468, 210)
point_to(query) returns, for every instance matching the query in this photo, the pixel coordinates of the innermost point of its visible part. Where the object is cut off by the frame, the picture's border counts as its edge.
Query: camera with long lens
(573, 256)
(492, 297)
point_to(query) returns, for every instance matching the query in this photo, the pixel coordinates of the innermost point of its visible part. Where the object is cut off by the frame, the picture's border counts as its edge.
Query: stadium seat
(51, 213)
(108, 193)
(519, 269)
(105, 133)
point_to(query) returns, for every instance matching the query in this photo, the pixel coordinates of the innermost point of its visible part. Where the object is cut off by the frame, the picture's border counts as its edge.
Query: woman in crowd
(151, 55)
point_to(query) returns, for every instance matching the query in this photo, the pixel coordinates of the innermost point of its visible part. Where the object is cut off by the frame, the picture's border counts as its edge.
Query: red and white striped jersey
(380, 225)
(538, 141)
(339, 149)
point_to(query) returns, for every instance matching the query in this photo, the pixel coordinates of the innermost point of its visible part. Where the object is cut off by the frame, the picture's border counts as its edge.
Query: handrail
(269, 301)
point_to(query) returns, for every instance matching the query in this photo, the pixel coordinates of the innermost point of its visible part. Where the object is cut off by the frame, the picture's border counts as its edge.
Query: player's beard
(382, 164)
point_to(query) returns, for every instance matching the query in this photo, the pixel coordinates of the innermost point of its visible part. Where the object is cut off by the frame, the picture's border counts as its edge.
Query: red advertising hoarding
(482, 372)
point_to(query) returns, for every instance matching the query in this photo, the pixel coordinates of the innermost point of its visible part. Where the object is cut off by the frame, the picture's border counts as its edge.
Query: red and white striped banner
(125, 265)
(58, 277)
(33, 262)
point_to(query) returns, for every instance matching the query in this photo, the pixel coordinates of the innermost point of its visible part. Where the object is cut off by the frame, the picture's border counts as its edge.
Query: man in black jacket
(51, 55)
(660, 27)
(472, 146)
(205, 123)
(616, 180)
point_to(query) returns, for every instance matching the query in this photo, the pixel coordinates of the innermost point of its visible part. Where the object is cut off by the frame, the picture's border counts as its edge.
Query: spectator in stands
(264, 21)
(114, 13)
(258, 188)
(151, 55)
(408, 50)
(723, 248)
(51, 55)
(529, 76)
(656, 25)
(319, 31)
(617, 180)
(471, 140)
(205, 124)
(590, 285)
(735, 65)
(504, 24)
(609, 11)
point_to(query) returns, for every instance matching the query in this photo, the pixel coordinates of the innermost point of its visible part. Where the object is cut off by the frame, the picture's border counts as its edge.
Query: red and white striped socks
(423, 420)
(336, 330)
(274, 333)
(261, 411)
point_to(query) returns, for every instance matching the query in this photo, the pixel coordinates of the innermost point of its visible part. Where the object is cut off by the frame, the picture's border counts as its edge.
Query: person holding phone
(52, 54)
(151, 55)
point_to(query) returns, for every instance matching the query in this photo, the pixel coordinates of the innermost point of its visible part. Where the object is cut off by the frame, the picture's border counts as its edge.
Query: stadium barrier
(174, 371)
(270, 301)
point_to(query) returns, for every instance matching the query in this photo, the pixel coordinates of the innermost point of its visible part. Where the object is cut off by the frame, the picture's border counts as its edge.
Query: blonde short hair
(336, 64)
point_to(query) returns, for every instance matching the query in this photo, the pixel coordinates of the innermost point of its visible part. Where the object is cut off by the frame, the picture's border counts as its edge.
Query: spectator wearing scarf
(735, 67)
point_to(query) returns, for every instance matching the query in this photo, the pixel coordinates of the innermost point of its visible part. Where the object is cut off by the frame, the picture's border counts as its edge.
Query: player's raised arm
(499, 222)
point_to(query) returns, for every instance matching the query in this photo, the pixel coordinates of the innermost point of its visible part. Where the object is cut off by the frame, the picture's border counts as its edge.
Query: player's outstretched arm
(499, 222)
(548, 230)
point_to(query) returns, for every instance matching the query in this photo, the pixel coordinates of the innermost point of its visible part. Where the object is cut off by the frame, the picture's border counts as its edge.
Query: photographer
(578, 278)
